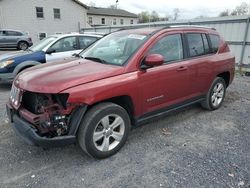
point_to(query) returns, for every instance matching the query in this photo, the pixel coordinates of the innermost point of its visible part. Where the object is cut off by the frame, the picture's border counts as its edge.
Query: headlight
(6, 63)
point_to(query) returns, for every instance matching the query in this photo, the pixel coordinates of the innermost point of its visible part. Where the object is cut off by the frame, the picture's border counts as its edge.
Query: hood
(58, 76)
(13, 55)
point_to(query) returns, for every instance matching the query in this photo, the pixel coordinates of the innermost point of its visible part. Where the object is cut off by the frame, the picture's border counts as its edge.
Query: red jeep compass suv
(124, 79)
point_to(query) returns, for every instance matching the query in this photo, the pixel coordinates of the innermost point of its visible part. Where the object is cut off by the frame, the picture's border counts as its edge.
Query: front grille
(15, 96)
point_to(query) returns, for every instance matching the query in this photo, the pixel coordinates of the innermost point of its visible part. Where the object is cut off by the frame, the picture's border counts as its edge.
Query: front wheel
(104, 130)
(215, 95)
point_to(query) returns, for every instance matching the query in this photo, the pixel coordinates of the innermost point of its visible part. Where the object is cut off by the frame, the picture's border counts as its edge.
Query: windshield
(42, 44)
(115, 48)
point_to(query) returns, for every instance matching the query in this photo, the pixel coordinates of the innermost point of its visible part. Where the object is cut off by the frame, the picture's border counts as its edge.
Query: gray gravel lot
(191, 148)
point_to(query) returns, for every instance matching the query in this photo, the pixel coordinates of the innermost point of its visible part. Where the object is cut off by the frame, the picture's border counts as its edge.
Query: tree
(144, 17)
(154, 17)
(176, 13)
(224, 13)
(91, 4)
(112, 6)
(242, 9)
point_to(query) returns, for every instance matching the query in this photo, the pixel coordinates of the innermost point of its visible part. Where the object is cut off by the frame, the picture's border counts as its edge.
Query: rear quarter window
(215, 41)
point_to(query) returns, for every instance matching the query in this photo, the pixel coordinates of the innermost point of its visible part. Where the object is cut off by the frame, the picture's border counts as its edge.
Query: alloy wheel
(217, 94)
(109, 132)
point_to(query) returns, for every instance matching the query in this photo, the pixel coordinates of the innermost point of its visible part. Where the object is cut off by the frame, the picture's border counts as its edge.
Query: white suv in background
(52, 48)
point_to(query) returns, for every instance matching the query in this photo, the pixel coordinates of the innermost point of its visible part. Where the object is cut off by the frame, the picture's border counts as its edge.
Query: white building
(108, 16)
(41, 18)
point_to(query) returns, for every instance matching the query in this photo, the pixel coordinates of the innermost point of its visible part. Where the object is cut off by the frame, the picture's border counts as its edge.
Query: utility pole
(116, 4)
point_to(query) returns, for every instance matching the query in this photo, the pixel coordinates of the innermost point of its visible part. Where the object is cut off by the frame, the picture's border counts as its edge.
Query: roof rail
(196, 26)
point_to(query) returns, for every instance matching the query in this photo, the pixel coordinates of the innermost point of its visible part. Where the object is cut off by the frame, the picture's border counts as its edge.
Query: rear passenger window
(195, 44)
(13, 33)
(86, 41)
(215, 40)
(170, 47)
(205, 42)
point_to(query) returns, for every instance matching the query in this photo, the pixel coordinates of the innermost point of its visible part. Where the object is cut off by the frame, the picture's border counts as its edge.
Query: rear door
(200, 63)
(167, 84)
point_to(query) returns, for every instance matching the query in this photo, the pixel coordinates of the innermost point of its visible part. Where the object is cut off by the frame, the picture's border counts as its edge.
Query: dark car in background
(14, 39)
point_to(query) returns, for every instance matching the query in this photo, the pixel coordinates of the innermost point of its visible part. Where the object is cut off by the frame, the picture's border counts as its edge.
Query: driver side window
(170, 47)
(65, 44)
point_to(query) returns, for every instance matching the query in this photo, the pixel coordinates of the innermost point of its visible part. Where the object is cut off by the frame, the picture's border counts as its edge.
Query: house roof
(110, 12)
(80, 3)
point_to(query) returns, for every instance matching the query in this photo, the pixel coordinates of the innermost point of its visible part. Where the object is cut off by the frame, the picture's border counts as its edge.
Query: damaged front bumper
(29, 133)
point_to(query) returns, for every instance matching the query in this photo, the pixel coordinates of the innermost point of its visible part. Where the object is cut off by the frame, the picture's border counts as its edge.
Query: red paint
(154, 60)
(89, 82)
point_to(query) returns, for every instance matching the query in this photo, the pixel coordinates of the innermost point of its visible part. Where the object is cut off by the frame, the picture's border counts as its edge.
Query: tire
(216, 94)
(22, 45)
(98, 121)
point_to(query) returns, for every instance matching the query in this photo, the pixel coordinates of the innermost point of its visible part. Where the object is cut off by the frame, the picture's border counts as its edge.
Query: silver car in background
(14, 39)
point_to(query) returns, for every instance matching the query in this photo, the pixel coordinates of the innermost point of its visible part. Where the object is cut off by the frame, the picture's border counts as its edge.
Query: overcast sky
(188, 8)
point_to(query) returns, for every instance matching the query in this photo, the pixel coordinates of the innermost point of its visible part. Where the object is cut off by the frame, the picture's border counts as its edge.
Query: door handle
(182, 68)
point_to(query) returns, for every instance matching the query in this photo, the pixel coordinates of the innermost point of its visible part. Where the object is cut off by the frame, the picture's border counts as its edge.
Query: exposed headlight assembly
(6, 63)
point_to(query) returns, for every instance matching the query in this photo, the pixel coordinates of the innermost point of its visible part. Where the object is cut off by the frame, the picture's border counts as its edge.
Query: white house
(43, 17)
(98, 16)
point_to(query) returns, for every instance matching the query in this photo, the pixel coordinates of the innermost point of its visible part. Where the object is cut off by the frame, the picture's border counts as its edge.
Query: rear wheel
(22, 45)
(104, 130)
(215, 95)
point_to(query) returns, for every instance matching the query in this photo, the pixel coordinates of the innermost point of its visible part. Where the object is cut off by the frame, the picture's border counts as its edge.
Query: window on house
(121, 21)
(42, 36)
(57, 13)
(90, 21)
(114, 21)
(39, 12)
(131, 21)
(103, 20)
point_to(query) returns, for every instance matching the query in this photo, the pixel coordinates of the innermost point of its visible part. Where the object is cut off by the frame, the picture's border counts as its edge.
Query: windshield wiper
(96, 59)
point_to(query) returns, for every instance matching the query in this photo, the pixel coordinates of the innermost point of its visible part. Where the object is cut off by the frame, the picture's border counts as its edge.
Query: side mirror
(50, 51)
(152, 60)
(75, 55)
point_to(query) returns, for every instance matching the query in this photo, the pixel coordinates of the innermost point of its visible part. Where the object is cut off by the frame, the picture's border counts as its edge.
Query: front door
(167, 84)
(63, 48)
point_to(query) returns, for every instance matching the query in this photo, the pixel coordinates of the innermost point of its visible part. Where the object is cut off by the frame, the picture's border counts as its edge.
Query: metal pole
(244, 45)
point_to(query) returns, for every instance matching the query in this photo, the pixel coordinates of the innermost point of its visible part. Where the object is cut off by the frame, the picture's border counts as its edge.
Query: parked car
(14, 39)
(52, 48)
(123, 80)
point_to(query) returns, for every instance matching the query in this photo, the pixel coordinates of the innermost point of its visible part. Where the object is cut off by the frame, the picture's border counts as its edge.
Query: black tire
(209, 102)
(91, 122)
(22, 45)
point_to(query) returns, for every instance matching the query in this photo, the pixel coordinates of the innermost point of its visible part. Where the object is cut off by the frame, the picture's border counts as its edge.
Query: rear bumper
(29, 134)
(6, 77)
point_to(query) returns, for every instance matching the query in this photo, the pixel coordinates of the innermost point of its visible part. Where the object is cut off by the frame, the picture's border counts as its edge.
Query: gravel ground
(191, 148)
